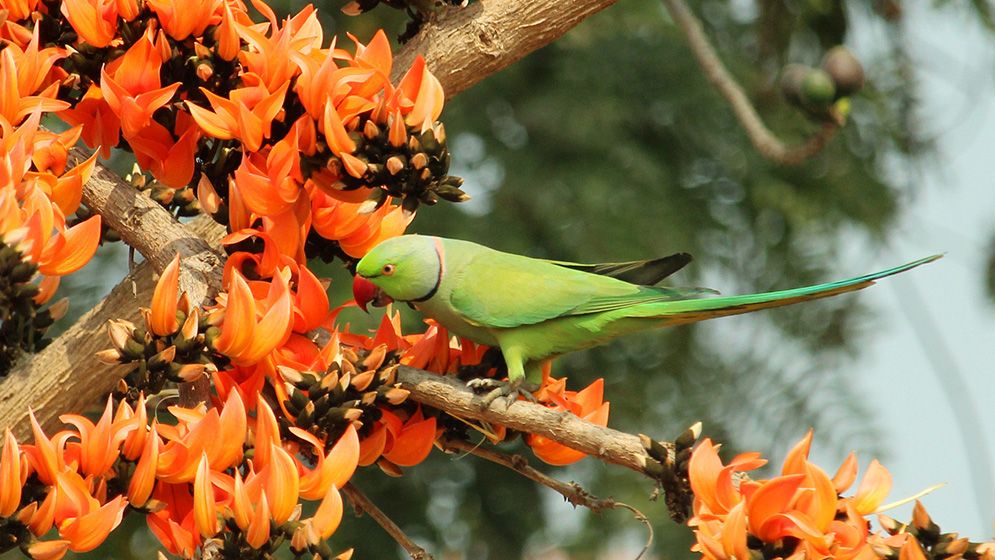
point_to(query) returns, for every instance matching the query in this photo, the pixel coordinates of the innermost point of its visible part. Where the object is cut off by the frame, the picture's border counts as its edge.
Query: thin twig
(362, 504)
(571, 491)
(765, 141)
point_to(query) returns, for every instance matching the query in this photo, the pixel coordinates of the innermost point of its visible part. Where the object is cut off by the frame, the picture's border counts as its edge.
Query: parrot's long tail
(693, 310)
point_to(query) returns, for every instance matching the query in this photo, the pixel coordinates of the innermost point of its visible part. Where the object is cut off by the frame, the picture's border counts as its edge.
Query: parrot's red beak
(366, 292)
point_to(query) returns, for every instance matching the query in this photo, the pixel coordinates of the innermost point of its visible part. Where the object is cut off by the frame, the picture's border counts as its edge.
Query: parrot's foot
(492, 389)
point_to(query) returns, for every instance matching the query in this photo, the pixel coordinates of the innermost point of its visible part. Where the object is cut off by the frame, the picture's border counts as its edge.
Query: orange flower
(326, 518)
(174, 524)
(68, 251)
(144, 477)
(99, 443)
(94, 20)
(424, 93)
(239, 339)
(220, 436)
(408, 441)
(35, 67)
(204, 511)
(247, 114)
(11, 478)
(48, 550)
(100, 125)
(271, 60)
(133, 89)
(15, 104)
(588, 404)
(88, 531)
(356, 232)
(333, 469)
(184, 18)
(43, 457)
(20, 9)
(281, 483)
(162, 318)
(170, 160)
(873, 488)
(803, 503)
(270, 181)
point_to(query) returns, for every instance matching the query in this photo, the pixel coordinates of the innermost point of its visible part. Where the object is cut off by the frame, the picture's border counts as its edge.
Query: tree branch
(765, 141)
(463, 46)
(453, 396)
(571, 492)
(153, 232)
(66, 376)
(362, 504)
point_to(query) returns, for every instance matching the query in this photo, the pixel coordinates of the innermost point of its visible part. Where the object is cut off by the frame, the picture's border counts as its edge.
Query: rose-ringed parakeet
(535, 309)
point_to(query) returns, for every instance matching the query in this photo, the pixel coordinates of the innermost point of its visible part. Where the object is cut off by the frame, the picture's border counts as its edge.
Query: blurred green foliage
(608, 145)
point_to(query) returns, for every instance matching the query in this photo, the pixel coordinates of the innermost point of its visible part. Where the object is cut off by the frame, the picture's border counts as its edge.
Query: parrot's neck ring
(440, 254)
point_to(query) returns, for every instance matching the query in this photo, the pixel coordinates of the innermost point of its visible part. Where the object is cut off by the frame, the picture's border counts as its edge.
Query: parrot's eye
(388, 269)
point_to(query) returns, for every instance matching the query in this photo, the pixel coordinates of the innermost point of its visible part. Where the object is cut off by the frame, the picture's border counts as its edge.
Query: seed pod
(818, 90)
(845, 70)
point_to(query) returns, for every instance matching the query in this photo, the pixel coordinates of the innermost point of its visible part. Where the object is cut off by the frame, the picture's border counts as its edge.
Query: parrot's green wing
(644, 273)
(501, 290)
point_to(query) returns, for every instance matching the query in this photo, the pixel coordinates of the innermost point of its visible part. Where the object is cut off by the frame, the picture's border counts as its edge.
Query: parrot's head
(405, 268)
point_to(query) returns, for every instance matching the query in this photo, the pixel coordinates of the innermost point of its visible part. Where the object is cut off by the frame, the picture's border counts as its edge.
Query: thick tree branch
(153, 232)
(66, 376)
(465, 45)
(452, 396)
(765, 141)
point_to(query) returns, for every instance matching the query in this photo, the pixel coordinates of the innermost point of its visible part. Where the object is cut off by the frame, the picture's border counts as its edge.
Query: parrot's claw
(494, 389)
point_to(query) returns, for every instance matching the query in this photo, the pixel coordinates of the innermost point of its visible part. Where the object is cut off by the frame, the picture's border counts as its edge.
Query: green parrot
(534, 309)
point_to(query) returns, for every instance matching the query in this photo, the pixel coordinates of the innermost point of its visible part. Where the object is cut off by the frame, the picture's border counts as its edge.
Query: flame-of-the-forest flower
(402, 442)
(131, 84)
(247, 114)
(588, 404)
(99, 444)
(243, 317)
(17, 101)
(95, 21)
(801, 511)
(183, 18)
(33, 203)
(48, 550)
(162, 316)
(219, 435)
(35, 70)
(356, 232)
(270, 182)
(11, 479)
(101, 127)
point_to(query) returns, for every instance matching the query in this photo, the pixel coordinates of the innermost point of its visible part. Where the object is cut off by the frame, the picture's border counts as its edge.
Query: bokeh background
(609, 145)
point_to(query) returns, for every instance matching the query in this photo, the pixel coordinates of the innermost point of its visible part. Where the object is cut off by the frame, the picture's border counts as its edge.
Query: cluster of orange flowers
(37, 191)
(802, 513)
(191, 478)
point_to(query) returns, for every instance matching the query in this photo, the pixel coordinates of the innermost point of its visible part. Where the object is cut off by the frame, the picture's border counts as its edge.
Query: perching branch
(362, 504)
(452, 396)
(465, 45)
(765, 141)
